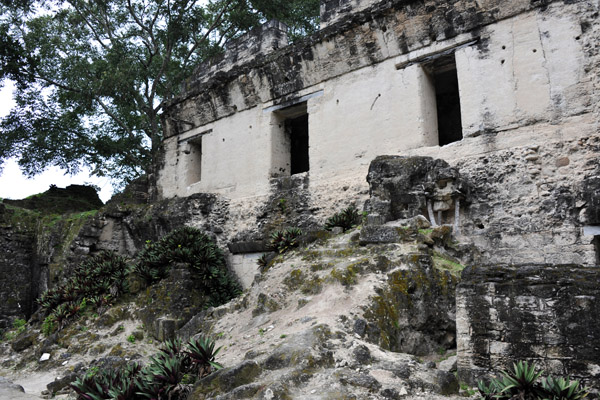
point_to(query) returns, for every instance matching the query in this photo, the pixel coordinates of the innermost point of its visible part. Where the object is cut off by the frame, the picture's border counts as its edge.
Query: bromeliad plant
(95, 282)
(119, 384)
(346, 219)
(202, 355)
(522, 383)
(170, 374)
(282, 241)
(196, 249)
(563, 389)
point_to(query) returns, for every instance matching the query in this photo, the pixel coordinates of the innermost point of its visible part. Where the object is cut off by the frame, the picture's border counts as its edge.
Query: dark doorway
(297, 129)
(447, 100)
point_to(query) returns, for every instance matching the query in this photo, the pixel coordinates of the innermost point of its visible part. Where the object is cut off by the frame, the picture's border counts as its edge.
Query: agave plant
(114, 384)
(196, 249)
(60, 315)
(263, 262)
(346, 219)
(282, 241)
(95, 279)
(172, 347)
(88, 388)
(163, 377)
(563, 389)
(202, 354)
(522, 380)
(492, 391)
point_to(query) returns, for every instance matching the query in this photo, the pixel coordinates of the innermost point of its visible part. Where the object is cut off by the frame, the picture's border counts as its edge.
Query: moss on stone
(444, 262)
(295, 279)
(321, 266)
(347, 276)
(265, 303)
(402, 299)
(310, 255)
(302, 303)
(312, 286)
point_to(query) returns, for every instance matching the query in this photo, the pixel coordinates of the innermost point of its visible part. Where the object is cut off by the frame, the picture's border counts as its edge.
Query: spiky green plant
(489, 391)
(99, 278)
(522, 383)
(202, 355)
(563, 389)
(196, 249)
(114, 384)
(522, 380)
(346, 219)
(172, 347)
(169, 375)
(263, 262)
(282, 241)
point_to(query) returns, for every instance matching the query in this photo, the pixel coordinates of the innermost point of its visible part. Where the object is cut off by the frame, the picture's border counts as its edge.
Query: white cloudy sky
(13, 185)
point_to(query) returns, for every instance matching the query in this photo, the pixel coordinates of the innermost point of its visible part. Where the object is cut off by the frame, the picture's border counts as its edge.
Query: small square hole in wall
(442, 70)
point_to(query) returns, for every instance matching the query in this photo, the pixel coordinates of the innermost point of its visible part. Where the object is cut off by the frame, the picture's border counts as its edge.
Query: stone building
(506, 92)
(481, 115)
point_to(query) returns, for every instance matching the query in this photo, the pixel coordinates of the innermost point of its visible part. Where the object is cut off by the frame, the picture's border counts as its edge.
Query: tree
(93, 76)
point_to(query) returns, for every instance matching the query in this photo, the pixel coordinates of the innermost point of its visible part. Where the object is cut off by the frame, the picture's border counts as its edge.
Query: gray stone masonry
(547, 314)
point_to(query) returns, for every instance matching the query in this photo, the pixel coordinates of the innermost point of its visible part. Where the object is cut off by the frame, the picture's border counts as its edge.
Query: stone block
(248, 246)
(379, 234)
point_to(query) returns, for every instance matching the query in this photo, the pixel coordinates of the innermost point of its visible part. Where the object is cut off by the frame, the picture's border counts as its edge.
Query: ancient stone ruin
(466, 134)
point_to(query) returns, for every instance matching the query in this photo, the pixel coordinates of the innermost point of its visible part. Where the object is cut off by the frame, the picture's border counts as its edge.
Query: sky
(13, 185)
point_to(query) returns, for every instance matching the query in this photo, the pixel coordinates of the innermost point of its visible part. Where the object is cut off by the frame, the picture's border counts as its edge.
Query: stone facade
(480, 115)
(374, 81)
(543, 313)
(497, 103)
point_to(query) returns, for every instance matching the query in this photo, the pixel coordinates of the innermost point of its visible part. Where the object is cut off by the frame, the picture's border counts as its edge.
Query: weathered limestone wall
(334, 10)
(17, 272)
(528, 96)
(528, 200)
(526, 69)
(542, 313)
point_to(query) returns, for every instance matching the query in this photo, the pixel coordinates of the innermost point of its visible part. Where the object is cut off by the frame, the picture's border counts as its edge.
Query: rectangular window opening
(447, 98)
(291, 140)
(194, 156)
(297, 129)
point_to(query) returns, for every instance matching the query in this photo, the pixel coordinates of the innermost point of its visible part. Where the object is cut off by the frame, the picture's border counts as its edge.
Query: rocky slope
(330, 320)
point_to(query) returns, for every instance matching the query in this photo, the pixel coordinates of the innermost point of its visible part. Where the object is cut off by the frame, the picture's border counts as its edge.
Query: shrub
(522, 383)
(170, 374)
(196, 249)
(282, 241)
(346, 219)
(96, 282)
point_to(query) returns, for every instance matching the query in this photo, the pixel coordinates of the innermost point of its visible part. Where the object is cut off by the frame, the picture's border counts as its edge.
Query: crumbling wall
(17, 269)
(333, 10)
(528, 204)
(545, 314)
